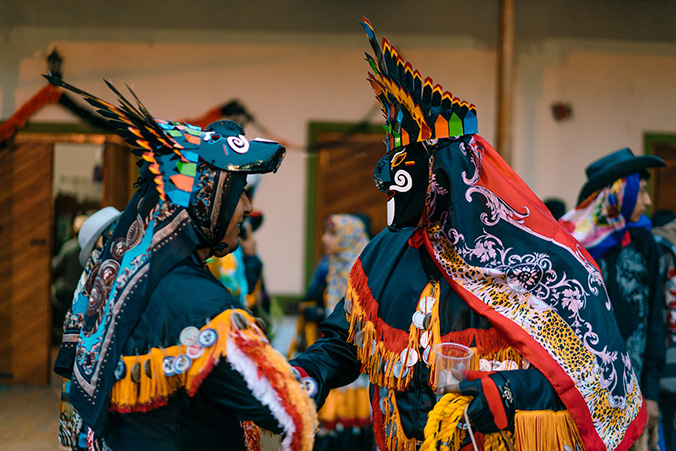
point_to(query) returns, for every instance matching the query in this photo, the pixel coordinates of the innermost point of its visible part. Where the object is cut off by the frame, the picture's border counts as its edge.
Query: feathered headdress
(174, 149)
(414, 110)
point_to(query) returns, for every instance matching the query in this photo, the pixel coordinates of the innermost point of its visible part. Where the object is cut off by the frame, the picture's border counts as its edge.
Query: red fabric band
(302, 372)
(494, 402)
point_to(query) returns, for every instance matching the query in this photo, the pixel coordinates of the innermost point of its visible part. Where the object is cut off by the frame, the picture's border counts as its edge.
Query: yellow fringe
(539, 430)
(252, 298)
(379, 362)
(397, 440)
(150, 392)
(346, 403)
(545, 430)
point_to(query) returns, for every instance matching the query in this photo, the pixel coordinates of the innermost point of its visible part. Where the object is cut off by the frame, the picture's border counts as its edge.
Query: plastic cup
(452, 363)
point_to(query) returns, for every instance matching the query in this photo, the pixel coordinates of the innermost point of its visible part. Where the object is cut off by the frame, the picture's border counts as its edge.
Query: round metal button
(418, 319)
(136, 372)
(409, 357)
(120, 370)
(426, 304)
(426, 354)
(359, 339)
(425, 338)
(348, 306)
(427, 320)
(147, 369)
(383, 391)
(240, 321)
(189, 336)
(398, 370)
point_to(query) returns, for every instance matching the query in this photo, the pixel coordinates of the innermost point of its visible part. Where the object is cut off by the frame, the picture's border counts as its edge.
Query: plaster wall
(617, 90)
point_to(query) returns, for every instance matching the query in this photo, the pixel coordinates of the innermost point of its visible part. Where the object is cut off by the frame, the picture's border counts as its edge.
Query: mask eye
(398, 159)
(211, 137)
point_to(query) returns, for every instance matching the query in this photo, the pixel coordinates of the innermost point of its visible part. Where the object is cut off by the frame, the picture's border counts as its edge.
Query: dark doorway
(340, 179)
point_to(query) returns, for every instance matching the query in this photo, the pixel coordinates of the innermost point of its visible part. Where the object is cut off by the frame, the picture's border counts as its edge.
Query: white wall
(618, 91)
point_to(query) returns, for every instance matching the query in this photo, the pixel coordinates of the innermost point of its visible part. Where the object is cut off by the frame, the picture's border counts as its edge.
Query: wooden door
(664, 179)
(26, 240)
(344, 179)
(25, 262)
(119, 173)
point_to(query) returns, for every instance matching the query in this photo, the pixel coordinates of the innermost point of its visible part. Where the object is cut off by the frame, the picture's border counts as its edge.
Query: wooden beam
(505, 80)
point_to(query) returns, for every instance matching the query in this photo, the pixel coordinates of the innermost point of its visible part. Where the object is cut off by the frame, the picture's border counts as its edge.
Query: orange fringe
(152, 392)
(383, 344)
(544, 430)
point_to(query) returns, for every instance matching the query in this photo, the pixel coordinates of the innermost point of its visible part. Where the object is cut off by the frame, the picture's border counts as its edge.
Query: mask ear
(381, 174)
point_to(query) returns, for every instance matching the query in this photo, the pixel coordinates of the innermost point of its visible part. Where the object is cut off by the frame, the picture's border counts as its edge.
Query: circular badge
(108, 271)
(397, 369)
(418, 319)
(359, 338)
(409, 357)
(207, 337)
(427, 320)
(118, 248)
(182, 363)
(309, 385)
(120, 370)
(348, 306)
(425, 305)
(383, 391)
(426, 354)
(136, 373)
(240, 321)
(189, 336)
(147, 369)
(194, 351)
(168, 366)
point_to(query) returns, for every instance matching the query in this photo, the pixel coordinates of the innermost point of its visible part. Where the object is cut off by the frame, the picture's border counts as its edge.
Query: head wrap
(600, 223)
(352, 237)
(500, 249)
(191, 181)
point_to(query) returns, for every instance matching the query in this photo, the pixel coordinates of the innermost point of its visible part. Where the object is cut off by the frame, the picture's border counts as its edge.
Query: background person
(66, 270)
(665, 236)
(344, 421)
(610, 223)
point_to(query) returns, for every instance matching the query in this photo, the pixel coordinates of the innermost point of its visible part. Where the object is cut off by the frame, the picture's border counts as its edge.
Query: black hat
(614, 166)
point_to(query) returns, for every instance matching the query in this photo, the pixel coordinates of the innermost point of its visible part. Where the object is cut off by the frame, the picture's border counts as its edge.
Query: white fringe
(261, 389)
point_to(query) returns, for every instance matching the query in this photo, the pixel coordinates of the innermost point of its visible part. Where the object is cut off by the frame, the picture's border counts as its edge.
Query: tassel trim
(544, 430)
(267, 374)
(387, 430)
(383, 345)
